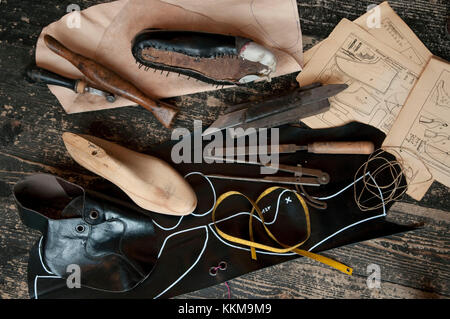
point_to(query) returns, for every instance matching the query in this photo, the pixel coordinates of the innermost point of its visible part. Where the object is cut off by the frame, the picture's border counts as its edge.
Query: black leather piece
(187, 248)
(191, 43)
(104, 238)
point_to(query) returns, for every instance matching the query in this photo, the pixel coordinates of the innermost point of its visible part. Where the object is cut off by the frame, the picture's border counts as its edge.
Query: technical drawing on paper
(402, 43)
(378, 86)
(429, 134)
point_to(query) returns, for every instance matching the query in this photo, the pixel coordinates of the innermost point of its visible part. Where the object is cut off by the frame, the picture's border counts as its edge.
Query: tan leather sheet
(106, 30)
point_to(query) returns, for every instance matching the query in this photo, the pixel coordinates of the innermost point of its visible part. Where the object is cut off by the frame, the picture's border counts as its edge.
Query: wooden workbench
(413, 265)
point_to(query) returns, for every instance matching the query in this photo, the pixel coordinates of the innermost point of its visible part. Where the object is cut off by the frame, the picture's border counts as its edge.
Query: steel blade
(279, 110)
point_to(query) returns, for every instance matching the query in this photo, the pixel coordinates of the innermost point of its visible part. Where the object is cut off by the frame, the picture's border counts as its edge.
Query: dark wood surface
(413, 265)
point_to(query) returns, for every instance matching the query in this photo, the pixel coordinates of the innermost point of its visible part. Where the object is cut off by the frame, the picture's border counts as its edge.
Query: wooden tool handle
(341, 148)
(111, 82)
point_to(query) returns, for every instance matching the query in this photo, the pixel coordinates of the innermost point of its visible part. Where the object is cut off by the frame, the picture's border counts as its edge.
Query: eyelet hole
(93, 214)
(213, 271)
(80, 228)
(223, 265)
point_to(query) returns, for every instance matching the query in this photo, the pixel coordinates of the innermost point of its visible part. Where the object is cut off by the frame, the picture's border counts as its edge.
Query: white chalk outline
(230, 217)
(45, 268)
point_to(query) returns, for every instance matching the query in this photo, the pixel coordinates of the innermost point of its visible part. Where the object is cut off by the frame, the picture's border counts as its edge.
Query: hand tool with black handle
(38, 75)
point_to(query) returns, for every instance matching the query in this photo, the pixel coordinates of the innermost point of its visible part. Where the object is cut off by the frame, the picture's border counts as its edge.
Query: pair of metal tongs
(302, 175)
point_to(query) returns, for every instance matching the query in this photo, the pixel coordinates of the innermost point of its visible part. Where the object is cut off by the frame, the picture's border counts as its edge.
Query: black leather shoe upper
(112, 244)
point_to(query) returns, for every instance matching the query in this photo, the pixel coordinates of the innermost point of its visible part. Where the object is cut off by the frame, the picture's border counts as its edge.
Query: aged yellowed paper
(422, 129)
(385, 25)
(379, 78)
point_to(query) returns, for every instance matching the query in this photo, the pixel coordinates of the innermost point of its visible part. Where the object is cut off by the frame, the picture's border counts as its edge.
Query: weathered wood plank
(414, 265)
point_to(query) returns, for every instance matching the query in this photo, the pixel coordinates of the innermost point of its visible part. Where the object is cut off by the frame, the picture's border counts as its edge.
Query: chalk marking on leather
(248, 249)
(223, 241)
(168, 228)
(40, 257)
(192, 266)
(35, 283)
(213, 190)
(179, 232)
(45, 268)
(358, 222)
(278, 205)
(344, 189)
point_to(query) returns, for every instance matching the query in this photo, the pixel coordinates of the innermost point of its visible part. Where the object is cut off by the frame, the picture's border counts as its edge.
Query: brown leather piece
(231, 68)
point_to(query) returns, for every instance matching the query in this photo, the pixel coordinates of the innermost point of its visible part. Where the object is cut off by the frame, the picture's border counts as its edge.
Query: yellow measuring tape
(253, 245)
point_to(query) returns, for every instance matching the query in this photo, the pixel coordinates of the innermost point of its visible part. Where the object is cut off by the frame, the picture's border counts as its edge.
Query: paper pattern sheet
(393, 31)
(379, 78)
(422, 128)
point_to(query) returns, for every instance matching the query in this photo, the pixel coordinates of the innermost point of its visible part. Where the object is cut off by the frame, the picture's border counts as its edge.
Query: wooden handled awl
(363, 148)
(109, 81)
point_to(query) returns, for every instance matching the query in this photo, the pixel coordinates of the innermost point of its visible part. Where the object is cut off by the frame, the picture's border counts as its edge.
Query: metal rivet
(80, 228)
(223, 265)
(213, 271)
(94, 214)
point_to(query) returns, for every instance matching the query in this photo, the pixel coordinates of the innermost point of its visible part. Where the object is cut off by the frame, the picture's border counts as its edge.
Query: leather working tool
(38, 75)
(276, 111)
(209, 57)
(363, 148)
(107, 80)
(302, 175)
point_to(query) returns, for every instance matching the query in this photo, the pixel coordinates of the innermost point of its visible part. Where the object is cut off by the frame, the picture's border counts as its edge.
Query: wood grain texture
(413, 265)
